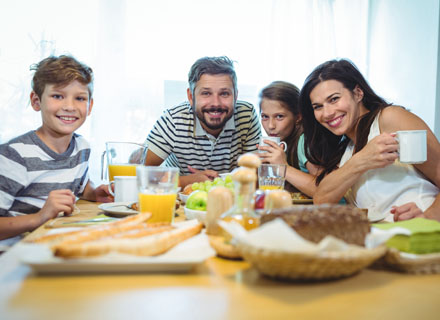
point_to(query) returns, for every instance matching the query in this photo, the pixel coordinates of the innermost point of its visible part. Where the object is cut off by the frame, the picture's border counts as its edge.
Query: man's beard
(213, 126)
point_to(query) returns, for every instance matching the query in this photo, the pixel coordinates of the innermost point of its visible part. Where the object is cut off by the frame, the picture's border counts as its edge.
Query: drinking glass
(157, 187)
(271, 176)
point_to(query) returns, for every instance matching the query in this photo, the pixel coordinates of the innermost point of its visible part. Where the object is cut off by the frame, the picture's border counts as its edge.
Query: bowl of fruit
(195, 196)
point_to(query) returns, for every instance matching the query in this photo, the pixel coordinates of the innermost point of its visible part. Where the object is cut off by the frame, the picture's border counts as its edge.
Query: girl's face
(277, 120)
(337, 108)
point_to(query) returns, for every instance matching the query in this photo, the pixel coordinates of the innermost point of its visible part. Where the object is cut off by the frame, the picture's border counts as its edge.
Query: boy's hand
(58, 201)
(102, 194)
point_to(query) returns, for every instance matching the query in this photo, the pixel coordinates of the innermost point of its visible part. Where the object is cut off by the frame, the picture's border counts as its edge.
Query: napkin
(417, 235)
(277, 235)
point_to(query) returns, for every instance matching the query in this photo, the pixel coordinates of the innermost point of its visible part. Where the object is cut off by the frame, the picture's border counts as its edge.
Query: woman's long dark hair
(288, 95)
(323, 148)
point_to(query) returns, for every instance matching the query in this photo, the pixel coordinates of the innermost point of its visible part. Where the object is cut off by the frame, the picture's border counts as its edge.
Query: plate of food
(119, 209)
(300, 198)
(125, 245)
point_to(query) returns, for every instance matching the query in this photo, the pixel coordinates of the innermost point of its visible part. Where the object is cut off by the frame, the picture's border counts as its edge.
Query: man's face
(213, 101)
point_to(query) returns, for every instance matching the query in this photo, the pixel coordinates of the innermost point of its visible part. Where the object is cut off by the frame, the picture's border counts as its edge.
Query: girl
(280, 117)
(350, 133)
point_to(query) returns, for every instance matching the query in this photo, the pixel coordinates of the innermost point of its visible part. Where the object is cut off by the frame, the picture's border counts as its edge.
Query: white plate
(118, 209)
(181, 258)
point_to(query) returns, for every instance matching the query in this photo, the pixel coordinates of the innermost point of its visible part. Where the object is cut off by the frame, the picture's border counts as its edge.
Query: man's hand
(102, 194)
(210, 174)
(58, 201)
(406, 211)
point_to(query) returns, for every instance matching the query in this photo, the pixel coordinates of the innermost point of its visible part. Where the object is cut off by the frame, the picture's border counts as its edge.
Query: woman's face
(277, 120)
(337, 108)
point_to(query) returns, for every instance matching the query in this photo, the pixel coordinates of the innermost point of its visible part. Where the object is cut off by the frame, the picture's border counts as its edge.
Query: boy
(42, 171)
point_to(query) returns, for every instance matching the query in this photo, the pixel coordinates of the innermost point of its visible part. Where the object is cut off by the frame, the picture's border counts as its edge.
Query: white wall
(403, 54)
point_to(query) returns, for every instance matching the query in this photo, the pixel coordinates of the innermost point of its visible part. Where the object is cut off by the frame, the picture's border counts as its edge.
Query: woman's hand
(380, 152)
(406, 211)
(274, 153)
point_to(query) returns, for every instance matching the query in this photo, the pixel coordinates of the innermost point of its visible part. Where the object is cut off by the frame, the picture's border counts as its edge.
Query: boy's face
(63, 109)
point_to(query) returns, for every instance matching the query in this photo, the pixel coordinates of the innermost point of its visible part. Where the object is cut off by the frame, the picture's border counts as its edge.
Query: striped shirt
(179, 139)
(29, 170)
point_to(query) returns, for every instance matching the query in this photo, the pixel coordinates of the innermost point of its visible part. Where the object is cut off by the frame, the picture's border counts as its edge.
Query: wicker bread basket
(223, 249)
(309, 266)
(423, 264)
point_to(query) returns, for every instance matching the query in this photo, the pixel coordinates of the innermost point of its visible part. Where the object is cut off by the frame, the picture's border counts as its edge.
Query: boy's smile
(63, 111)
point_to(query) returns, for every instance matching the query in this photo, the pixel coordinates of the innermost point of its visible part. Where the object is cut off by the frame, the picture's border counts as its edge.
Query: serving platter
(181, 258)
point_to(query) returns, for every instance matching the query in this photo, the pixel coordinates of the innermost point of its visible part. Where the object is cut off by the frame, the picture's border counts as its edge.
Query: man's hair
(212, 65)
(60, 71)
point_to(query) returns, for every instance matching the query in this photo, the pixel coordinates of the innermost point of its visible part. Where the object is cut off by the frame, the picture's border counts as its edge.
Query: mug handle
(110, 190)
(284, 145)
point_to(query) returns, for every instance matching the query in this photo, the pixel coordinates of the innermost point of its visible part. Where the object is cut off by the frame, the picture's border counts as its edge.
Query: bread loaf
(96, 232)
(149, 245)
(314, 222)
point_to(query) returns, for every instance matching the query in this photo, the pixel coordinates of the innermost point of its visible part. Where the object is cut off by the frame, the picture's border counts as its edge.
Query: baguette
(149, 245)
(95, 232)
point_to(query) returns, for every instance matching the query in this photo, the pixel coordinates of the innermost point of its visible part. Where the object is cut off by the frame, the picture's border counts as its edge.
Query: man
(205, 135)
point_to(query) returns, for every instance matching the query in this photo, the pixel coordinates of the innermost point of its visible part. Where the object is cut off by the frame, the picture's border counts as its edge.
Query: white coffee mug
(277, 140)
(412, 146)
(125, 188)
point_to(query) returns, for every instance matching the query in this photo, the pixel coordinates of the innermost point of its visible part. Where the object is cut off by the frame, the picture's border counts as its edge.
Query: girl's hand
(406, 211)
(274, 153)
(379, 152)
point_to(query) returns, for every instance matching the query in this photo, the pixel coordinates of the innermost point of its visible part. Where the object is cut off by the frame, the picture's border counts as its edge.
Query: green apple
(197, 200)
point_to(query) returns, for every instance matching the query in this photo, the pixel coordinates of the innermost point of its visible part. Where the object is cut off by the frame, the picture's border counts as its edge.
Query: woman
(350, 133)
(280, 117)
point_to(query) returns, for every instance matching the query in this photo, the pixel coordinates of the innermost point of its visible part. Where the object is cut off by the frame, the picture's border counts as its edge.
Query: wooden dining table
(214, 289)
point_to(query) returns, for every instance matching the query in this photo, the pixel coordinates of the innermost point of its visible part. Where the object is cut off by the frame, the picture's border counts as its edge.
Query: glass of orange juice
(158, 192)
(122, 159)
(271, 176)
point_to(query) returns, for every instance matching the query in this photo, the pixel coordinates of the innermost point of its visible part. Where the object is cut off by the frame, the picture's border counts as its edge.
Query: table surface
(216, 289)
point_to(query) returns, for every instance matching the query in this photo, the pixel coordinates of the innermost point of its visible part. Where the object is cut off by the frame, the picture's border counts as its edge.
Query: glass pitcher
(121, 159)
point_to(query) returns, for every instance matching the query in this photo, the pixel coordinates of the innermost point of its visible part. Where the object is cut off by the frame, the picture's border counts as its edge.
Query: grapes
(217, 182)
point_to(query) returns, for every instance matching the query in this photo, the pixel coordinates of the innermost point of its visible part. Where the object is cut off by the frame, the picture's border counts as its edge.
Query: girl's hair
(323, 148)
(60, 71)
(287, 94)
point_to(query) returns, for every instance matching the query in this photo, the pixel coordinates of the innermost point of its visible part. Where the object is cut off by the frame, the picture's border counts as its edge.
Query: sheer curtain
(141, 52)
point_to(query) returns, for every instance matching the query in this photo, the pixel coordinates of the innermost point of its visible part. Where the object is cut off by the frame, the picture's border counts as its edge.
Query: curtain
(141, 52)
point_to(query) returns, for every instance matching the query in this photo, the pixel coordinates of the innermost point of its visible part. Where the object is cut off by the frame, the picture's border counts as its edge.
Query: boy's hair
(60, 71)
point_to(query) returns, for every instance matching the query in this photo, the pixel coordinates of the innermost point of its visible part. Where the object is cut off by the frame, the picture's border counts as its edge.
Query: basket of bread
(308, 242)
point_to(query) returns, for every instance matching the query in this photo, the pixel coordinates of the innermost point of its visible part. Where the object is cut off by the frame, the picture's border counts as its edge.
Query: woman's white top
(380, 189)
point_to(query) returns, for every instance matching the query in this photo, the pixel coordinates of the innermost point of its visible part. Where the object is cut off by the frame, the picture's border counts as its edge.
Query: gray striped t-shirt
(29, 170)
(179, 138)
